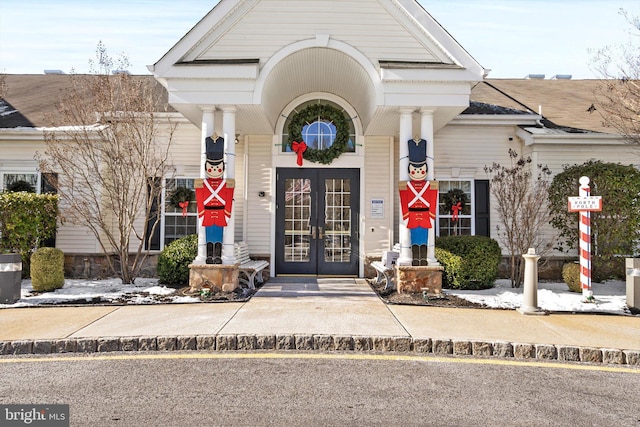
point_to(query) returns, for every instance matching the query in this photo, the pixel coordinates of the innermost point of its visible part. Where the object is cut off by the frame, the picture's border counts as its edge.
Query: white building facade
(249, 69)
(355, 80)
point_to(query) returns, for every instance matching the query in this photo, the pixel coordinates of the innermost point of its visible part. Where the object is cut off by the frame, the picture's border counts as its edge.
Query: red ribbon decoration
(455, 209)
(299, 148)
(184, 206)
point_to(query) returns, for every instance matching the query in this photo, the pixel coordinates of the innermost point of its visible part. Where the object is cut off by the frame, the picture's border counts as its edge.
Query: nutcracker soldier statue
(214, 197)
(419, 201)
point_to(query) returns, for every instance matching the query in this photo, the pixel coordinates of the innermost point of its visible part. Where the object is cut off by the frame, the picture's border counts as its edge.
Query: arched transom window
(319, 127)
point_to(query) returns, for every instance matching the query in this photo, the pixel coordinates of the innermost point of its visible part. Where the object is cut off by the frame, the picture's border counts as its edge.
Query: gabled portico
(247, 81)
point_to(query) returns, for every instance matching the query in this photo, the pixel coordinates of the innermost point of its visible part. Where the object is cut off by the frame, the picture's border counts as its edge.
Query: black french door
(317, 213)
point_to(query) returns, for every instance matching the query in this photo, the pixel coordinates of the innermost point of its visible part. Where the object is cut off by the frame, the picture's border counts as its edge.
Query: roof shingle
(563, 102)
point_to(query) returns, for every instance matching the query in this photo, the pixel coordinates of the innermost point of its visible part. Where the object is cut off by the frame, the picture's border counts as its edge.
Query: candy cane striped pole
(585, 243)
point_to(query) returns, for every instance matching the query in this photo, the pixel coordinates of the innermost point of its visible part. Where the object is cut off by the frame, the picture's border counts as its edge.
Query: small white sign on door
(377, 208)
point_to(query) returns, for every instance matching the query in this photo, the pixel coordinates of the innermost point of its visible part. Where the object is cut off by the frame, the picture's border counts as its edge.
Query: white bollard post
(530, 290)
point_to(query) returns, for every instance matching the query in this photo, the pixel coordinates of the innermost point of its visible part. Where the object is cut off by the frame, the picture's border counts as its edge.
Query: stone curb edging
(311, 342)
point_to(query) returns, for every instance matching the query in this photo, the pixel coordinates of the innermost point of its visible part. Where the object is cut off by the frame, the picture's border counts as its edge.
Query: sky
(512, 38)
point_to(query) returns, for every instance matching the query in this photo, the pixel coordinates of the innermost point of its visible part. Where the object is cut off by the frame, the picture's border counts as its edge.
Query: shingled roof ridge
(479, 107)
(508, 96)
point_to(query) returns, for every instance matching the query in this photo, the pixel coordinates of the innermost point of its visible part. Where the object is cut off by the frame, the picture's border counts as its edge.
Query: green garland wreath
(324, 112)
(180, 194)
(452, 197)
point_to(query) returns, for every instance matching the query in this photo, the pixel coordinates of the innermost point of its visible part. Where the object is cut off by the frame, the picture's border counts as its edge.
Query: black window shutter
(48, 182)
(483, 226)
(154, 217)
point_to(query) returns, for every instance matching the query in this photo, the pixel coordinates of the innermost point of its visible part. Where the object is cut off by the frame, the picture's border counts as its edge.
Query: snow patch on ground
(556, 297)
(144, 291)
(610, 297)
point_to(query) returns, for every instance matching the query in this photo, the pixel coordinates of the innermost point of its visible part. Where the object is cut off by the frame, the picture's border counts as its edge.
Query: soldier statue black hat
(417, 152)
(215, 149)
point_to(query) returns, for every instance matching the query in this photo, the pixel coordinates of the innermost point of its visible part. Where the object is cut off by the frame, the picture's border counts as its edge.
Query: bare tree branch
(618, 94)
(522, 207)
(111, 161)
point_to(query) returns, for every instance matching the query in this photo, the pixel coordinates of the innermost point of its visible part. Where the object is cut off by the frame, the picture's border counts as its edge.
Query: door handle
(320, 233)
(313, 232)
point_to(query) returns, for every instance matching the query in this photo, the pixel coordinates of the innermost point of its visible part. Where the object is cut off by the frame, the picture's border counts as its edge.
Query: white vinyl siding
(462, 151)
(555, 156)
(273, 24)
(185, 149)
(239, 195)
(73, 239)
(378, 233)
(258, 233)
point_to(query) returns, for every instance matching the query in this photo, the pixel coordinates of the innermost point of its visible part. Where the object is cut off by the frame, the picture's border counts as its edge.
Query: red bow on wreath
(455, 209)
(184, 205)
(299, 148)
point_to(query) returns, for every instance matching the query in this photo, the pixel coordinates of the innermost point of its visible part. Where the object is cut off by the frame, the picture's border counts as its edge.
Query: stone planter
(412, 279)
(221, 277)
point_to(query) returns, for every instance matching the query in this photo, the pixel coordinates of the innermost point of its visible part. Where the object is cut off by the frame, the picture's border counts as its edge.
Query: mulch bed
(391, 296)
(239, 295)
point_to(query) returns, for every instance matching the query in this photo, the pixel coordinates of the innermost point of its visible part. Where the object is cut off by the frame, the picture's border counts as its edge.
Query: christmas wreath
(454, 201)
(314, 113)
(180, 198)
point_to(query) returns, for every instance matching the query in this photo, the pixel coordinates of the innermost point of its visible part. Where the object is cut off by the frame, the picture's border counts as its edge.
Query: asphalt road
(204, 389)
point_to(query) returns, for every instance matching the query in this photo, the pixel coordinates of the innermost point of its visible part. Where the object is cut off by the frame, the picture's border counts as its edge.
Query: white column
(207, 130)
(229, 131)
(426, 133)
(406, 127)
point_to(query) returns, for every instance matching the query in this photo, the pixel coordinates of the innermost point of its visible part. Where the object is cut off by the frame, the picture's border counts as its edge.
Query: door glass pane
(297, 230)
(337, 221)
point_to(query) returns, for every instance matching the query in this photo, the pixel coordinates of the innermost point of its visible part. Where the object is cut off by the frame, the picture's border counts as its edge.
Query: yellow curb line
(403, 358)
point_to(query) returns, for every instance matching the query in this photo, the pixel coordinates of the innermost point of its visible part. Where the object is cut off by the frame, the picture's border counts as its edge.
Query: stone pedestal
(530, 290)
(412, 279)
(221, 277)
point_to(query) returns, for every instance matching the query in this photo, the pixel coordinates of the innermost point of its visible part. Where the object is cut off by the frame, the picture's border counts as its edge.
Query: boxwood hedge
(174, 260)
(479, 261)
(47, 269)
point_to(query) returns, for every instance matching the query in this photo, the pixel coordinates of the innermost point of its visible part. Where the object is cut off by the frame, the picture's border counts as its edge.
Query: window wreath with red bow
(180, 198)
(455, 200)
(309, 115)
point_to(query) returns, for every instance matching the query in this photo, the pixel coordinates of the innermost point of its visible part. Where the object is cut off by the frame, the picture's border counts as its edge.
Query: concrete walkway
(321, 314)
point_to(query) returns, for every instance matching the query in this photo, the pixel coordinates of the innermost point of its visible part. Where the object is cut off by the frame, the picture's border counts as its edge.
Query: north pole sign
(585, 204)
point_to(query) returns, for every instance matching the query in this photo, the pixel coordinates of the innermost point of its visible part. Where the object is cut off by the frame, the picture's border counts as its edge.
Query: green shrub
(607, 268)
(571, 276)
(174, 260)
(616, 229)
(480, 259)
(26, 220)
(47, 269)
(452, 264)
